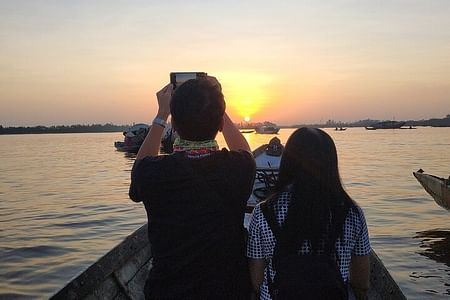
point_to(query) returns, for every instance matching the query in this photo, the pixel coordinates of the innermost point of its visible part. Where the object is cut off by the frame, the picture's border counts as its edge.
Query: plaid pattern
(261, 241)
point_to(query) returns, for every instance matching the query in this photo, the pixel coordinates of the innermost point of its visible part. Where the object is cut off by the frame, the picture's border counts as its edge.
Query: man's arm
(152, 142)
(233, 137)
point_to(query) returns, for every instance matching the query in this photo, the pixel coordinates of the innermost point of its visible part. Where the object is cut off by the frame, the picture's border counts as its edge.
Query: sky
(289, 62)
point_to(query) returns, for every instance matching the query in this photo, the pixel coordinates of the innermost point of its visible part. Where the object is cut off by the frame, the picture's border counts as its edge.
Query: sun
(247, 94)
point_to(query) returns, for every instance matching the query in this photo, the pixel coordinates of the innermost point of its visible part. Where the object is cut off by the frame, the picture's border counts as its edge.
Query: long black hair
(319, 204)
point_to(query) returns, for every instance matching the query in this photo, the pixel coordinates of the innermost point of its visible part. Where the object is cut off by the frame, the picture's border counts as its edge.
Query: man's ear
(221, 124)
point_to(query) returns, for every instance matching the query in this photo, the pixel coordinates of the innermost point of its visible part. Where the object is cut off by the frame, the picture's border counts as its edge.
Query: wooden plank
(382, 282)
(136, 285)
(108, 289)
(132, 266)
(85, 283)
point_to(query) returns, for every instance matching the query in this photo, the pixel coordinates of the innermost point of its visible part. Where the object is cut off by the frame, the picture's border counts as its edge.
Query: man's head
(197, 108)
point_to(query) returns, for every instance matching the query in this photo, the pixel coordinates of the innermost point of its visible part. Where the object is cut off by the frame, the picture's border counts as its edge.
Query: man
(195, 198)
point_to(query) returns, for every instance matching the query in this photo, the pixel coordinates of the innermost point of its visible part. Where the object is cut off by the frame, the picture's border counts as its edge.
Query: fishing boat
(135, 136)
(122, 272)
(437, 187)
(386, 125)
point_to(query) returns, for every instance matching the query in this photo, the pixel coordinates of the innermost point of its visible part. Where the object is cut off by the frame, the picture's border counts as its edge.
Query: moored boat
(122, 272)
(135, 136)
(437, 187)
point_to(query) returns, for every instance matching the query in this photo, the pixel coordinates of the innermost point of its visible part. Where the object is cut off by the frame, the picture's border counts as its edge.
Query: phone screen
(183, 77)
(177, 78)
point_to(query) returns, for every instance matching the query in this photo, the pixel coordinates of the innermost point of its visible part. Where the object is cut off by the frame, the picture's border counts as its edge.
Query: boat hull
(436, 187)
(123, 147)
(121, 274)
(386, 125)
(267, 129)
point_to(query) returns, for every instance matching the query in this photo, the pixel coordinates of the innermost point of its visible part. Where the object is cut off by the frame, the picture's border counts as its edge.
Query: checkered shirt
(261, 241)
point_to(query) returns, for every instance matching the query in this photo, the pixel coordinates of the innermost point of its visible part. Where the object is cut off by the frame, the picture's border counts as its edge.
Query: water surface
(64, 203)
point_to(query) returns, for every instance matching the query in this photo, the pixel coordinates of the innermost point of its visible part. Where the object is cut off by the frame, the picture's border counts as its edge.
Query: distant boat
(135, 136)
(386, 125)
(437, 187)
(340, 129)
(267, 128)
(247, 131)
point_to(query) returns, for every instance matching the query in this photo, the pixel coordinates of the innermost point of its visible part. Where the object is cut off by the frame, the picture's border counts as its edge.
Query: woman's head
(197, 108)
(310, 154)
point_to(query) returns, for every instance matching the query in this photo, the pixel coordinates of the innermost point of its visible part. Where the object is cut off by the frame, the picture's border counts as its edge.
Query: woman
(313, 210)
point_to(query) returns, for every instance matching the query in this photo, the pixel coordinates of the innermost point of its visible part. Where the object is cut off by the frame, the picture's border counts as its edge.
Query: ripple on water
(32, 252)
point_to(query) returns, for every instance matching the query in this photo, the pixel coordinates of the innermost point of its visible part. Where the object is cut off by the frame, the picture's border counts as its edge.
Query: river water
(64, 203)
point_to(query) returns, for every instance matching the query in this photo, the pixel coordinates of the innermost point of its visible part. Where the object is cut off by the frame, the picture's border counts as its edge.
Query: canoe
(247, 131)
(122, 272)
(437, 187)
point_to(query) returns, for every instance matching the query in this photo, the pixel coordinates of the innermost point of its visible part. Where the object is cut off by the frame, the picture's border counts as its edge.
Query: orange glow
(247, 94)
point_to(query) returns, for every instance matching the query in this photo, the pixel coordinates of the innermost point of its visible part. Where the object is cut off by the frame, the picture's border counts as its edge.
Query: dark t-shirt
(195, 210)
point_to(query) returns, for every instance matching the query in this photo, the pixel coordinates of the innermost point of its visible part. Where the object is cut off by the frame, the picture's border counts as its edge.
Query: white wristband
(159, 121)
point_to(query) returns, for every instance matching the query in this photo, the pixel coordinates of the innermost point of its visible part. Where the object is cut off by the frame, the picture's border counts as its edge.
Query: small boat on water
(247, 130)
(340, 129)
(386, 125)
(267, 128)
(437, 187)
(135, 136)
(122, 272)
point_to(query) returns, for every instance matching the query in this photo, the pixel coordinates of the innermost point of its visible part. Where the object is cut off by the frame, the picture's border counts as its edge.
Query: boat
(247, 131)
(340, 129)
(135, 136)
(386, 125)
(437, 187)
(122, 272)
(267, 128)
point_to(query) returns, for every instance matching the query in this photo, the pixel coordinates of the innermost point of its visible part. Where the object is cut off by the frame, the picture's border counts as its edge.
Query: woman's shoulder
(356, 213)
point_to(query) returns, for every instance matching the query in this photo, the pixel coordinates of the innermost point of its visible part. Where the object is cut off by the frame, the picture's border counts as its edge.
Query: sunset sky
(290, 62)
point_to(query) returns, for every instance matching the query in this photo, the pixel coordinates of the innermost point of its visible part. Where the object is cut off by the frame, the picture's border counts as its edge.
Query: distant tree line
(435, 122)
(78, 128)
(108, 127)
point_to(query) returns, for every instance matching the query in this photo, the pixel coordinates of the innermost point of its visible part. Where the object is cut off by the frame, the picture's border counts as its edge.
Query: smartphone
(177, 78)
